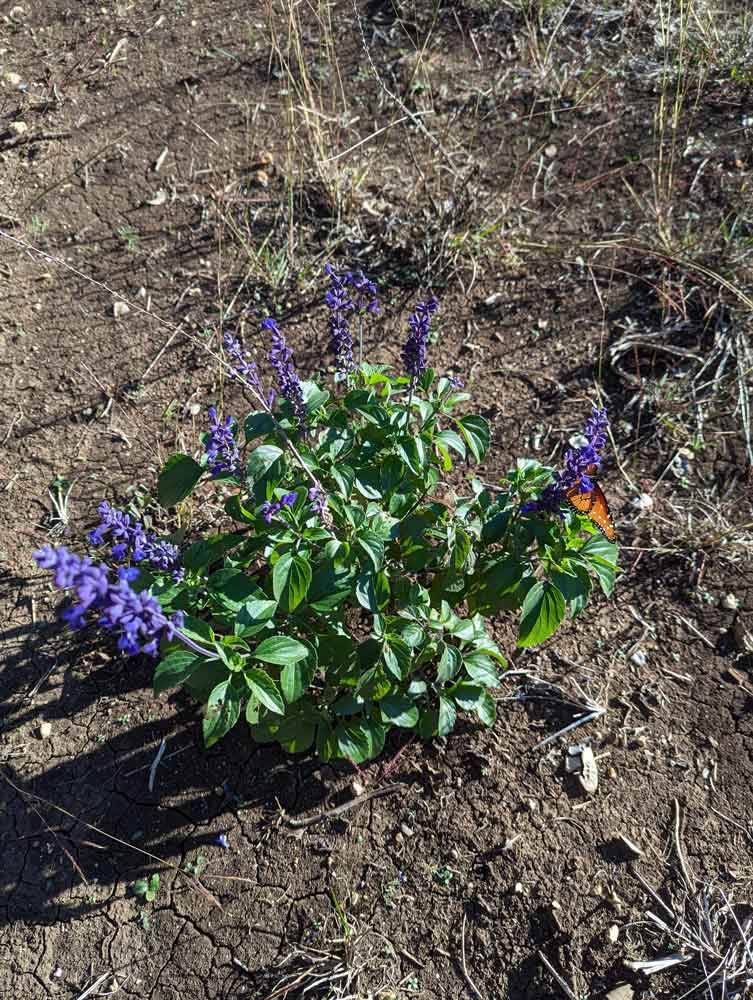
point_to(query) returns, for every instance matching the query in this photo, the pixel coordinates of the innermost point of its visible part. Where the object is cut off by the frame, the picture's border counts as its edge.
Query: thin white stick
(155, 764)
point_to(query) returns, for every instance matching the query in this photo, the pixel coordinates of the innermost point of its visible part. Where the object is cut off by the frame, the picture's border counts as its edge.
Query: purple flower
(241, 367)
(365, 292)
(136, 618)
(270, 509)
(414, 352)
(340, 304)
(223, 457)
(317, 500)
(221, 840)
(131, 539)
(361, 299)
(577, 462)
(288, 382)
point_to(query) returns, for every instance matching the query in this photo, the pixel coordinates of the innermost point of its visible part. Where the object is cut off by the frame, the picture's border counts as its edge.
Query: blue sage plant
(341, 597)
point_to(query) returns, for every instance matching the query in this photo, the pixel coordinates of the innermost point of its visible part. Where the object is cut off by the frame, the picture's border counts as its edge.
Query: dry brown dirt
(488, 848)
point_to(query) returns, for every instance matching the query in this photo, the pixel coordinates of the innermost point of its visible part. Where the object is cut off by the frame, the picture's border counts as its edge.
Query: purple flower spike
(221, 840)
(288, 382)
(362, 298)
(136, 618)
(340, 304)
(577, 461)
(132, 541)
(317, 500)
(241, 366)
(414, 352)
(223, 457)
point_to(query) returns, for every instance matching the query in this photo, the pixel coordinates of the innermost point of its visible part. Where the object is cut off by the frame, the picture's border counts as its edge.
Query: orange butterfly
(594, 505)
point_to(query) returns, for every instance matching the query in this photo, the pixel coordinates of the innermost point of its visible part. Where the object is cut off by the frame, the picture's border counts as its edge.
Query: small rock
(639, 657)
(58, 973)
(518, 890)
(623, 991)
(357, 788)
(406, 830)
(18, 128)
(731, 602)
(12, 79)
(581, 762)
(550, 151)
(45, 730)
(120, 309)
(643, 502)
(613, 933)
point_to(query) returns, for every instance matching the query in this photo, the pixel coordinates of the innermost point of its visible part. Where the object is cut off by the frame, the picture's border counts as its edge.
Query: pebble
(643, 502)
(613, 933)
(623, 991)
(19, 128)
(639, 657)
(120, 309)
(550, 151)
(406, 830)
(357, 788)
(731, 602)
(45, 730)
(12, 79)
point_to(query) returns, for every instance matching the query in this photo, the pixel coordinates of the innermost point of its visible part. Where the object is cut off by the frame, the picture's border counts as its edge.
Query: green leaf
(397, 657)
(368, 484)
(234, 508)
(345, 477)
(575, 586)
(481, 669)
(291, 578)
(254, 616)
(326, 742)
(261, 460)
(374, 733)
(399, 710)
(258, 424)
(449, 663)
(476, 434)
(264, 689)
(179, 475)
(232, 588)
(222, 712)
(205, 678)
(174, 669)
(413, 452)
(352, 742)
(210, 550)
(447, 716)
(297, 734)
(295, 679)
(602, 557)
(197, 630)
(372, 591)
(451, 440)
(373, 546)
(461, 548)
(281, 650)
(472, 698)
(543, 610)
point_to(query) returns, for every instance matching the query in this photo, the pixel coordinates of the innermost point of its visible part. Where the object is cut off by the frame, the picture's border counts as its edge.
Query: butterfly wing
(599, 514)
(594, 505)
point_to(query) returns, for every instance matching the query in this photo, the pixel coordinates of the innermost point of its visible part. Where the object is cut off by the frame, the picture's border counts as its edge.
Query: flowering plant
(343, 598)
